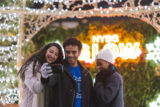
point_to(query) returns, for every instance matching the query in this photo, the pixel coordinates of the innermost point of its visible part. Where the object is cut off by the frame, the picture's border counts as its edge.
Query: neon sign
(154, 50)
(125, 51)
(105, 38)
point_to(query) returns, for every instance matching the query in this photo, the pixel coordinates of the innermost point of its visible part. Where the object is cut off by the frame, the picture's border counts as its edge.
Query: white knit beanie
(105, 54)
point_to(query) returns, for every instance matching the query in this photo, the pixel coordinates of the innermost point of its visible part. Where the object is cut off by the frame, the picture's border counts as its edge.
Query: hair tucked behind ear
(39, 57)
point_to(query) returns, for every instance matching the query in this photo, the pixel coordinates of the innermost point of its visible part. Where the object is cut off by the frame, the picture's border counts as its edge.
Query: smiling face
(52, 54)
(72, 53)
(102, 65)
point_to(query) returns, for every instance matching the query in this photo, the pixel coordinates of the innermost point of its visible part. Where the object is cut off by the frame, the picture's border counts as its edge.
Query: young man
(72, 85)
(78, 82)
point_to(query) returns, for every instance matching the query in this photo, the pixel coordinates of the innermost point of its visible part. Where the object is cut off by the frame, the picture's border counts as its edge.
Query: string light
(11, 39)
(67, 1)
(123, 9)
(10, 24)
(154, 50)
(11, 96)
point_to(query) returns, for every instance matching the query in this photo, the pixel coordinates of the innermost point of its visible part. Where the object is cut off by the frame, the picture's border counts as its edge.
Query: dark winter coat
(109, 91)
(62, 88)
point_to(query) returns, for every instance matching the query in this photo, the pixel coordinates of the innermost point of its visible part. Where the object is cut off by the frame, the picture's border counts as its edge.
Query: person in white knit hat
(108, 87)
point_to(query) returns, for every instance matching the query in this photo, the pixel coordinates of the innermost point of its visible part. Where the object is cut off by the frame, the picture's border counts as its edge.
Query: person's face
(101, 65)
(72, 53)
(51, 54)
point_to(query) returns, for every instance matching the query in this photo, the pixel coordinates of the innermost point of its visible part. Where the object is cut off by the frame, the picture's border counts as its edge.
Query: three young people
(70, 85)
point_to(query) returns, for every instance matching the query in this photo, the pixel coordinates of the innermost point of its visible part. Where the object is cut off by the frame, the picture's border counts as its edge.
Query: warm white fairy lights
(11, 96)
(8, 48)
(9, 24)
(154, 50)
(7, 58)
(7, 94)
(7, 27)
(111, 2)
(140, 12)
(123, 10)
(7, 69)
(8, 16)
(10, 38)
(7, 79)
(107, 11)
(9, 52)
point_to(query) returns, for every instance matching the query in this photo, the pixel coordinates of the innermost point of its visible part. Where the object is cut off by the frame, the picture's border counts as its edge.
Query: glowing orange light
(125, 51)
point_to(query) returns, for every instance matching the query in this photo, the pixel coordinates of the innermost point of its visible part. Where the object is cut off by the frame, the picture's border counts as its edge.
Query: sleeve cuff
(44, 80)
(98, 84)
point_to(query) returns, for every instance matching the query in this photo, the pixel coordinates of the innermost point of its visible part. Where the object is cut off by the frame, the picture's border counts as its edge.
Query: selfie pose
(108, 87)
(72, 86)
(34, 70)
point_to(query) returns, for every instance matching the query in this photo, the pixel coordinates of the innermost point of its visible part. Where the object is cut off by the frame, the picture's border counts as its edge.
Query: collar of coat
(84, 71)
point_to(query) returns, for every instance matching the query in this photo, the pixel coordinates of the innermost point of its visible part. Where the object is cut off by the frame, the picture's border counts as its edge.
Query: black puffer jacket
(62, 88)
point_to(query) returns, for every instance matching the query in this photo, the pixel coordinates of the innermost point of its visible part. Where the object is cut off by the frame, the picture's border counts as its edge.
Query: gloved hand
(101, 76)
(46, 70)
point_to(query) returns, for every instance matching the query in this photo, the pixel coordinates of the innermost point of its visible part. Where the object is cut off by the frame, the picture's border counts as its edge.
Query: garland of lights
(8, 54)
(132, 11)
(11, 96)
(11, 39)
(7, 69)
(154, 50)
(11, 50)
(56, 13)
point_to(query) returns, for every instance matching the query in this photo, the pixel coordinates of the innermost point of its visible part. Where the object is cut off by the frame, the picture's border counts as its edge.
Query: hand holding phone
(57, 68)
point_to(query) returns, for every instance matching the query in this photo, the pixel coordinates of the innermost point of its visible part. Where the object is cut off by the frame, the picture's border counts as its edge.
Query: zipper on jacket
(83, 71)
(73, 98)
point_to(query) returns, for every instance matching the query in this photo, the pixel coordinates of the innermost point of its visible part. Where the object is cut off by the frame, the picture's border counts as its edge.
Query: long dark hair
(39, 57)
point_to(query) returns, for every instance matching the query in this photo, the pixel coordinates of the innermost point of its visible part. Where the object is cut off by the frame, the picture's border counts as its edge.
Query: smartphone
(57, 68)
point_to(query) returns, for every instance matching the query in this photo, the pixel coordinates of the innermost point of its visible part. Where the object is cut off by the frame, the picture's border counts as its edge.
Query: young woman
(34, 70)
(109, 84)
